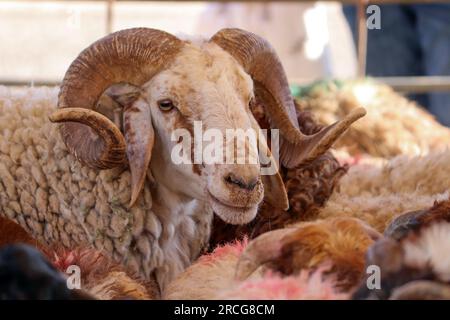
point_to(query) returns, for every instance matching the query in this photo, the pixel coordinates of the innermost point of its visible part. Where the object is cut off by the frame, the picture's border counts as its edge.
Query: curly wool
(393, 125)
(323, 259)
(209, 275)
(422, 255)
(101, 278)
(59, 201)
(212, 277)
(307, 285)
(377, 193)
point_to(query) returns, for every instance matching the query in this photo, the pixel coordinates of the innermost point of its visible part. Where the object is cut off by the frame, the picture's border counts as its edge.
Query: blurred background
(407, 45)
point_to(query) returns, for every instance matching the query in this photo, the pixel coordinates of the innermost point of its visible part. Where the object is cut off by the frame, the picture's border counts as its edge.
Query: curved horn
(131, 56)
(260, 250)
(400, 226)
(259, 59)
(274, 189)
(422, 290)
(109, 134)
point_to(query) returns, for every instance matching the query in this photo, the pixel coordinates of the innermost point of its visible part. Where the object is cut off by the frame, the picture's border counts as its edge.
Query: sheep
(414, 264)
(307, 285)
(402, 225)
(11, 232)
(377, 193)
(104, 176)
(25, 274)
(393, 126)
(331, 256)
(331, 251)
(100, 278)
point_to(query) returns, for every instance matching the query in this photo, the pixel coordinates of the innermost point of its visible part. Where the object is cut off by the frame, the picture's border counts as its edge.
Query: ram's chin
(234, 215)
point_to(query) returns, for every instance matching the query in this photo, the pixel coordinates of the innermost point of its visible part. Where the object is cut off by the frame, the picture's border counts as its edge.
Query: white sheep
(378, 192)
(119, 103)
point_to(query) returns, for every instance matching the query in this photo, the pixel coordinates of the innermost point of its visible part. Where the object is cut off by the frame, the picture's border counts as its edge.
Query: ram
(104, 176)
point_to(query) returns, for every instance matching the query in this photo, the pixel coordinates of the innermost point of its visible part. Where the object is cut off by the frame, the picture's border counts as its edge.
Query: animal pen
(348, 197)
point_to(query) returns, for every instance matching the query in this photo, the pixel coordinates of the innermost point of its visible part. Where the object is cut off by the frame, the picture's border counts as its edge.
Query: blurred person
(413, 40)
(313, 40)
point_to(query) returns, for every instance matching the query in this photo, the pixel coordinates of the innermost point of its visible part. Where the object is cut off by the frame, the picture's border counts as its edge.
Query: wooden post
(109, 16)
(362, 36)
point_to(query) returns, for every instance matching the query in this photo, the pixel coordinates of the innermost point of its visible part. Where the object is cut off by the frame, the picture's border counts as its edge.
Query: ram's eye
(166, 104)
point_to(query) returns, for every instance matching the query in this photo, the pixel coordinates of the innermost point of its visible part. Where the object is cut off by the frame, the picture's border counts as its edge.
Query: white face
(205, 84)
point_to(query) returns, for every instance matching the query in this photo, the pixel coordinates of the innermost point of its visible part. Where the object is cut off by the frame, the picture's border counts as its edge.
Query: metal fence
(416, 84)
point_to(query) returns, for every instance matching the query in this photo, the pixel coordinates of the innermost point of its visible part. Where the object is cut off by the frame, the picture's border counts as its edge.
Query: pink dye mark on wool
(234, 248)
(83, 257)
(307, 285)
(348, 159)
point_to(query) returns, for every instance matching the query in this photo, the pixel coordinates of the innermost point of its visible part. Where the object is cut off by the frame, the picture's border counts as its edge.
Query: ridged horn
(422, 290)
(130, 56)
(261, 62)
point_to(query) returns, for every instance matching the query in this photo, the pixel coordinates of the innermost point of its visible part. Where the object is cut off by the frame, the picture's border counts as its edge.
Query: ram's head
(157, 84)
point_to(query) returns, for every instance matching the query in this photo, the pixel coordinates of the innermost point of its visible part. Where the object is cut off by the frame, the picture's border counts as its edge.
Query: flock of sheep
(86, 179)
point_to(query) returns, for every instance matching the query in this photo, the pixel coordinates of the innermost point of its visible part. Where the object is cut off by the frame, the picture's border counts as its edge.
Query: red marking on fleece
(233, 248)
(86, 258)
(350, 160)
(306, 285)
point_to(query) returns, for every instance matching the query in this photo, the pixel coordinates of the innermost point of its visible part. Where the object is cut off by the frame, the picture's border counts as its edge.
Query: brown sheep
(335, 248)
(416, 267)
(401, 226)
(412, 257)
(11, 232)
(100, 276)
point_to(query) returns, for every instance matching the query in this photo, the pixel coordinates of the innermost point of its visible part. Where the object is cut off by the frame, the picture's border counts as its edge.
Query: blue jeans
(413, 40)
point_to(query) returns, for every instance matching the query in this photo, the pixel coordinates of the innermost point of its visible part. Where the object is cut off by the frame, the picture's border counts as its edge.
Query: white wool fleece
(60, 201)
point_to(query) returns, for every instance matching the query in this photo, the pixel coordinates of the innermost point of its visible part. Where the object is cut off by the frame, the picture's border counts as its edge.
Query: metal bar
(419, 84)
(32, 83)
(416, 84)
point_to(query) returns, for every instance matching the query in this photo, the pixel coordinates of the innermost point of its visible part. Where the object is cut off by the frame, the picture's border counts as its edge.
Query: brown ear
(274, 189)
(138, 132)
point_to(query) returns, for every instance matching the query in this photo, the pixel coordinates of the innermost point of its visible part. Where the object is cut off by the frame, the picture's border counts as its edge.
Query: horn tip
(359, 112)
(133, 200)
(284, 205)
(135, 192)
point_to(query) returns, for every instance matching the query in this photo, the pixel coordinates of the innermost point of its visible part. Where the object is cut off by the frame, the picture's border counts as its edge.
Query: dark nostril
(252, 184)
(231, 179)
